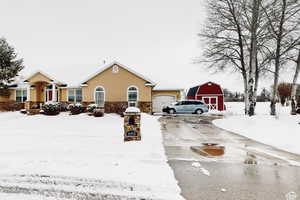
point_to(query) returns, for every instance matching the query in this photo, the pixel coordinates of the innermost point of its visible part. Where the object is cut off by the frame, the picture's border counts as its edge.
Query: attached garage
(164, 97)
(211, 93)
(160, 101)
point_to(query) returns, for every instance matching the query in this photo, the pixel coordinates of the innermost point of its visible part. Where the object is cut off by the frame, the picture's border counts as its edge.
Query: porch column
(53, 92)
(28, 92)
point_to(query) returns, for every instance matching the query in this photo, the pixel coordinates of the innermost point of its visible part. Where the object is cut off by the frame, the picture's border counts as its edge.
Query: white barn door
(212, 102)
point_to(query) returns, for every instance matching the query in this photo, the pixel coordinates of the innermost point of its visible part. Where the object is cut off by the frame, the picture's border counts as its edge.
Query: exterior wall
(38, 77)
(11, 106)
(9, 103)
(116, 85)
(167, 92)
(220, 103)
(4, 99)
(120, 107)
(63, 95)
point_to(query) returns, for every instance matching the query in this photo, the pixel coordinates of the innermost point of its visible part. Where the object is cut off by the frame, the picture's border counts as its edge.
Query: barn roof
(202, 89)
(192, 91)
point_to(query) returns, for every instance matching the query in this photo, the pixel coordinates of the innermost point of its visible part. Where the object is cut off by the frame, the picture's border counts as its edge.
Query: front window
(75, 95)
(132, 96)
(21, 95)
(100, 96)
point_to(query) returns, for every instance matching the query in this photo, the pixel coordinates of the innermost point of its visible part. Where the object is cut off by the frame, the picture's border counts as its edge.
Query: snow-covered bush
(63, 107)
(51, 108)
(91, 107)
(98, 112)
(76, 109)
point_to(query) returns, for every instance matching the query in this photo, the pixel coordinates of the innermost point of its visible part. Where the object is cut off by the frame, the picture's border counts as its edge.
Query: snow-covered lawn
(282, 132)
(86, 147)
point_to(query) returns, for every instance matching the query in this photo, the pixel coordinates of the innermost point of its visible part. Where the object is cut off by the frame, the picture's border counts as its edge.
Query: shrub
(76, 109)
(63, 107)
(51, 108)
(98, 112)
(92, 107)
(23, 111)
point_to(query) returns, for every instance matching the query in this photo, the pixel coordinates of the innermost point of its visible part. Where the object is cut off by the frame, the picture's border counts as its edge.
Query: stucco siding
(63, 95)
(38, 77)
(116, 85)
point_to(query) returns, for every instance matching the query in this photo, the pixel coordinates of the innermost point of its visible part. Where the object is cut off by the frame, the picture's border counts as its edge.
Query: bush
(92, 107)
(98, 112)
(76, 109)
(63, 107)
(23, 111)
(51, 108)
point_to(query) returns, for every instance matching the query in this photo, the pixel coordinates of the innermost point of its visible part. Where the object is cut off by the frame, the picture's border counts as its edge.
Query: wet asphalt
(274, 174)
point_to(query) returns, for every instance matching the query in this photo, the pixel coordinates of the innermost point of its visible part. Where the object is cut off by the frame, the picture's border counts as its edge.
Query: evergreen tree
(10, 65)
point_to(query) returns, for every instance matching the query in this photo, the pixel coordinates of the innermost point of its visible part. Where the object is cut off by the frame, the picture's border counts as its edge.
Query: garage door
(162, 100)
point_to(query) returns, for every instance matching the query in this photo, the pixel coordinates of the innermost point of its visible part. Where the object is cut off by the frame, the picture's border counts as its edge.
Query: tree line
(254, 38)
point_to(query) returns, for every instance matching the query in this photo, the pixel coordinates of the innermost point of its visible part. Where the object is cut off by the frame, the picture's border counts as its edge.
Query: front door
(49, 95)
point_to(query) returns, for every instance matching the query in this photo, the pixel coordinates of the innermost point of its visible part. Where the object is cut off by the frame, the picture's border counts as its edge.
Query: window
(74, 95)
(198, 103)
(21, 95)
(100, 96)
(132, 96)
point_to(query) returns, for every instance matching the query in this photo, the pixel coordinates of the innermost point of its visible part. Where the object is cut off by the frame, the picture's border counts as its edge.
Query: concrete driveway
(247, 169)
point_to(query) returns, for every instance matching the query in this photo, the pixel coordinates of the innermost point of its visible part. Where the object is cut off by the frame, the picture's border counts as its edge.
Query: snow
(223, 190)
(282, 131)
(133, 110)
(203, 170)
(87, 147)
(26, 197)
(54, 103)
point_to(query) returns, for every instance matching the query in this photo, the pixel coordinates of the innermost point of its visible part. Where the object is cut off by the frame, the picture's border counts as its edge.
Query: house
(114, 87)
(211, 93)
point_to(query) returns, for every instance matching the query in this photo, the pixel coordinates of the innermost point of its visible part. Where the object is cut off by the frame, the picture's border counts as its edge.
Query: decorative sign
(131, 134)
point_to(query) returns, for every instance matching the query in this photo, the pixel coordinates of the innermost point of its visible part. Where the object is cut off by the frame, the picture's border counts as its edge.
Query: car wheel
(199, 111)
(172, 111)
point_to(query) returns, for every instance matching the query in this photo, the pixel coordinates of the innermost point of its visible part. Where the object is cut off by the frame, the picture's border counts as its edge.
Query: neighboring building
(211, 93)
(114, 87)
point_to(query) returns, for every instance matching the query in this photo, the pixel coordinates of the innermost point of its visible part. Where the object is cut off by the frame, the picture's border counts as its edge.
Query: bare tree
(253, 56)
(294, 85)
(225, 37)
(283, 18)
(237, 39)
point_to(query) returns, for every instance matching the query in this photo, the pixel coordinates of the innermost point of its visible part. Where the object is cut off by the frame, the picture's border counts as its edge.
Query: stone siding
(11, 106)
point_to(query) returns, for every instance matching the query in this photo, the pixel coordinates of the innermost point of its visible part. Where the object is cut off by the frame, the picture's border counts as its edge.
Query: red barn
(211, 93)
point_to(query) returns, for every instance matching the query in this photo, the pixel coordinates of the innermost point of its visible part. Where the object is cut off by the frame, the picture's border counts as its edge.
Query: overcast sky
(69, 39)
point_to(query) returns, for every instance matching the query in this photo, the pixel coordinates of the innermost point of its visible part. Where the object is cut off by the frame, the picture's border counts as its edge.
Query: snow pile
(133, 110)
(87, 147)
(282, 131)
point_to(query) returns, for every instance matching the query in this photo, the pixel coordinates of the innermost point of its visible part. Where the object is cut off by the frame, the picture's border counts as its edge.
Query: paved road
(227, 177)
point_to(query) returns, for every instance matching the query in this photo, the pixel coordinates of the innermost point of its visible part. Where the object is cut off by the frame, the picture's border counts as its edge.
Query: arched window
(132, 96)
(100, 96)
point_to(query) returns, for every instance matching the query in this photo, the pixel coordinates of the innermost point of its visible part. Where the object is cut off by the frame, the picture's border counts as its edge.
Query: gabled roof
(44, 74)
(107, 66)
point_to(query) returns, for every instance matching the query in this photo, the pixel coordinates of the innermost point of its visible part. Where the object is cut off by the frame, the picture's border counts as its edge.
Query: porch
(40, 89)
